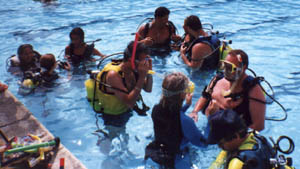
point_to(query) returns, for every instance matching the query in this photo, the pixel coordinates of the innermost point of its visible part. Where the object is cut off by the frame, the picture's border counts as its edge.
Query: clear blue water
(267, 30)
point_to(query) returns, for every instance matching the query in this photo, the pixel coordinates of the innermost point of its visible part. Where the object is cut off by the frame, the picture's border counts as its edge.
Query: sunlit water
(268, 31)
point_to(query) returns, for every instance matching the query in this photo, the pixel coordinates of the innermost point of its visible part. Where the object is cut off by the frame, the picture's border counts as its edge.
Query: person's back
(173, 130)
(200, 50)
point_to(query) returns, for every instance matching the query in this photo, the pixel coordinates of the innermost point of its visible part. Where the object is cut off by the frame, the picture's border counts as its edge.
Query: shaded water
(268, 31)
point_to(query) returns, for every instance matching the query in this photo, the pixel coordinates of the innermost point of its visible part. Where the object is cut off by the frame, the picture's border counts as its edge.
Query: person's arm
(98, 53)
(149, 80)
(199, 106)
(257, 109)
(148, 41)
(199, 51)
(114, 79)
(191, 132)
(67, 52)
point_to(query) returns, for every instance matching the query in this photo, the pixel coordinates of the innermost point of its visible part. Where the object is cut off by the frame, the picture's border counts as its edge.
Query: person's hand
(188, 98)
(148, 58)
(212, 108)
(194, 116)
(183, 49)
(143, 67)
(175, 38)
(67, 56)
(67, 66)
(175, 47)
(3, 87)
(148, 41)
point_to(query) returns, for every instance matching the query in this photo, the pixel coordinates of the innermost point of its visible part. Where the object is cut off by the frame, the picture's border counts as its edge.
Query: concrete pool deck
(16, 120)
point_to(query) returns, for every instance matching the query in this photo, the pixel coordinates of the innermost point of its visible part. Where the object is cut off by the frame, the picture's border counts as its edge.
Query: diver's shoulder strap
(146, 29)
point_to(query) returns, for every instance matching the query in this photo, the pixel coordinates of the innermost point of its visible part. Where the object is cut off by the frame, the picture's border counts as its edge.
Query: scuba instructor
(234, 90)
(120, 83)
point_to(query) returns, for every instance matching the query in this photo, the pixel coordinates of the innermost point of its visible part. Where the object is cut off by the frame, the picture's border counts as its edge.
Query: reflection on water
(266, 30)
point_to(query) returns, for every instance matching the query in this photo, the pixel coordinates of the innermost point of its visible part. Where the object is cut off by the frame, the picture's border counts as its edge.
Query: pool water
(267, 30)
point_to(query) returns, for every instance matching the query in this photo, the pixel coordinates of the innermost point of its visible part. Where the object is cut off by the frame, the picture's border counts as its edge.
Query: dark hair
(226, 124)
(193, 22)
(79, 32)
(47, 61)
(240, 52)
(140, 49)
(174, 82)
(22, 48)
(161, 12)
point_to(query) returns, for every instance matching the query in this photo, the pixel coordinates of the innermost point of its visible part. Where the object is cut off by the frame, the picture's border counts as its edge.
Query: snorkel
(134, 51)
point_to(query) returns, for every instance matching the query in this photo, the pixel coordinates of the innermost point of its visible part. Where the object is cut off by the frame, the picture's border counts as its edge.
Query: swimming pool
(266, 30)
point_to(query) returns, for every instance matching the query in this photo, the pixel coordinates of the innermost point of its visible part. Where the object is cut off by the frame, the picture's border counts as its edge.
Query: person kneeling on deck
(244, 149)
(200, 50)
(119, 84)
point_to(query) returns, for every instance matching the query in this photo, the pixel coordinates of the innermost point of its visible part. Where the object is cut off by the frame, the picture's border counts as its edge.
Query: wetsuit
(76, 59)
(175, 130)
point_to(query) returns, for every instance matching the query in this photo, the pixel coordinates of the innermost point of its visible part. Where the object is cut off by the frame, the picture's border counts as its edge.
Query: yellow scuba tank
(91, 94)
(224, 50)
(28, 83)
(220, 160)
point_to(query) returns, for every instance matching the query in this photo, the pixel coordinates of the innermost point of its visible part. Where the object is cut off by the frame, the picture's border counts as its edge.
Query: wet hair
(140, 49)
(22, 48)
(240, 52)
(161, 12)
(193, 22)
(173, 83)
(47, 61)
(79, 32)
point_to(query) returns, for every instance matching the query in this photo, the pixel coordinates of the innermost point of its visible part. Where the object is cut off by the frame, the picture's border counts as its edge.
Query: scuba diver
(158, 33)
(234, 90)
(116, 88)
(26, 60)
(78, 51)
(43, 76)
(200, 49)
(243, 149)
(173, 130)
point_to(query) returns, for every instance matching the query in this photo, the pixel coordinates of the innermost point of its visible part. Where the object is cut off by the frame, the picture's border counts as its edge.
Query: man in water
(234, 90)
(199, 49)
(160, 31)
